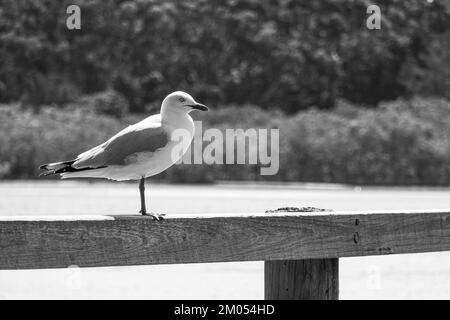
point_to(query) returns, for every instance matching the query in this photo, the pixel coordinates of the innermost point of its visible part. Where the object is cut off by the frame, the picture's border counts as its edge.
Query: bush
(28, 140)
(107, 102)
(403, 142)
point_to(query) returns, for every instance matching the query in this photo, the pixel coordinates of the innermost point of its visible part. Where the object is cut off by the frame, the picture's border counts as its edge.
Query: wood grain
(310, 279)
(35, 242)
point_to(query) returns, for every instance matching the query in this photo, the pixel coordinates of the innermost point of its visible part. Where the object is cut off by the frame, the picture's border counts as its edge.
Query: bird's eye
(182, 99)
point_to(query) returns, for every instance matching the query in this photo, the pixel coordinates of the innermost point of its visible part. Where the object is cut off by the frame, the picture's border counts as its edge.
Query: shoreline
(313, 186)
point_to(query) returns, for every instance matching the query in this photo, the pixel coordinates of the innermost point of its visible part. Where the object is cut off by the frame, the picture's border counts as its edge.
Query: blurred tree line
(309, 68)
(284, 54)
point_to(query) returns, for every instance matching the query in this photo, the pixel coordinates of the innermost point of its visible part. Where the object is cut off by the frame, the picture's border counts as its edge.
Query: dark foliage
(286, 54)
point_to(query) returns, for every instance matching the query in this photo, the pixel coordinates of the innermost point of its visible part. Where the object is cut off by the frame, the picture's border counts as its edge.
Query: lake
(419, 276)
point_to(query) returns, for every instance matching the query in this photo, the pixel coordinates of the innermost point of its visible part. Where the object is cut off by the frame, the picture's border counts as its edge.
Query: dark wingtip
(47, 173)
(43, 167)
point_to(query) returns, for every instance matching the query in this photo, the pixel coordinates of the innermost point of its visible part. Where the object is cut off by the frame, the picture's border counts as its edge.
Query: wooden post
(311, 279)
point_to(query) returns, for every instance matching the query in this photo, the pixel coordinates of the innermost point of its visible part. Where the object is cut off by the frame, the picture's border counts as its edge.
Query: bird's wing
(145, 136)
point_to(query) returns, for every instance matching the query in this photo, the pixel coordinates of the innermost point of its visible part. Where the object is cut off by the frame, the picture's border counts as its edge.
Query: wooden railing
(300, 250)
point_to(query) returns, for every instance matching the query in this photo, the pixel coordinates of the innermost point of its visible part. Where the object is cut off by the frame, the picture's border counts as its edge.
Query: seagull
(139, 151)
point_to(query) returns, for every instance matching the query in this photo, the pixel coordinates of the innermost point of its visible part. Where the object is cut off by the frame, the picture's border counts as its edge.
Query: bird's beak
(199, 106)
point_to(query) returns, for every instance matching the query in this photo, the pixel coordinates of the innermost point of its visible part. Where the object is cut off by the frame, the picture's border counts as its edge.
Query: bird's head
(180, 101)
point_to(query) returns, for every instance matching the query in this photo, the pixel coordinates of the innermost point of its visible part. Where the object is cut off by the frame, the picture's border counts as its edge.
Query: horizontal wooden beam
(58, 242)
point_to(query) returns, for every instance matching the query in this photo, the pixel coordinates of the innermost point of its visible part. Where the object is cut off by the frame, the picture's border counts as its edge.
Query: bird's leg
(143, 211)
(142, 193)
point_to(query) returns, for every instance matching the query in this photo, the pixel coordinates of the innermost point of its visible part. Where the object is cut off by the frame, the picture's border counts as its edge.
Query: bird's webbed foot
(155, 216)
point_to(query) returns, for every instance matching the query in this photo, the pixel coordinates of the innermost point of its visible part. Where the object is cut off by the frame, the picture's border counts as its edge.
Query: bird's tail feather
(56, 167)
(61, 167)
